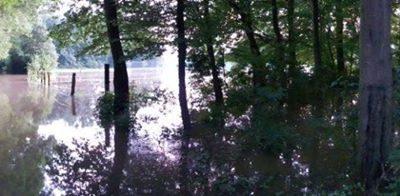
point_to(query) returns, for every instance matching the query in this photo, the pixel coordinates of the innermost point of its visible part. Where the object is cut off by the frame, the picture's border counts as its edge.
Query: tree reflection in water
(85, 169)
(22, 150)
(217, 164)
(88, 169)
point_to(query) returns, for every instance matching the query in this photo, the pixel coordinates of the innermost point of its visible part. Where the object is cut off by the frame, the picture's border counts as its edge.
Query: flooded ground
(35, 118)
(51, 144)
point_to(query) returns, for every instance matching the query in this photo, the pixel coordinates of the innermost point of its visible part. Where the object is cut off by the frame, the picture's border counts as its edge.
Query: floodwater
(51, 144)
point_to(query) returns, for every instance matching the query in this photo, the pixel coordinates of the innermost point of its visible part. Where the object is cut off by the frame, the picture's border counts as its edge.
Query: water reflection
(86, 159)
(22, 151)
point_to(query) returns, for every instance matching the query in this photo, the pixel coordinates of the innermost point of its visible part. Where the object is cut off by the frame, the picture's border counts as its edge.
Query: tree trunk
(316, 37)
(259, 69)
(217, 83)
(182, 65)
(341, 69)
(216, 80)
(339, 38)
(180, 25)
(258, 65)
(121, 81)
(121, 140)
(280, 56)
(121, 100)
(318, 79)
(376, 81)
(292, 41)
(292, 61)
(331, 54)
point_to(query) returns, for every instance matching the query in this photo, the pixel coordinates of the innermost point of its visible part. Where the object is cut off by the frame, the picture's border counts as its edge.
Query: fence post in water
(107, 77)
(41, 78)
(73, 107)
(44, 78)
(107, 134)
(73, 84)
(48, 78)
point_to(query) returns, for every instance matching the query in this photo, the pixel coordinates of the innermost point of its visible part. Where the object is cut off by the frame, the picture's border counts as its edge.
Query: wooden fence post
(48, 78)
(41, 78)
(107, 77)
(73, 107)
(73, 84)
(107, 135)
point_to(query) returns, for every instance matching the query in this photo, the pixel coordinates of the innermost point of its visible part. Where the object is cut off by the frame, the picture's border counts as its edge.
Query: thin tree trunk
(339, 38)
(121, 100)
(216, 80)
(182, 65)
(292, 61)
(341, 69)
(259, 69)
(180, 25)
(330, 46)
(280, 56)
(258, 66)
(376, 81)
(217, 83)
(275, 22)
(318, 107)
(292, 41)
(316, 37)
(318, 69)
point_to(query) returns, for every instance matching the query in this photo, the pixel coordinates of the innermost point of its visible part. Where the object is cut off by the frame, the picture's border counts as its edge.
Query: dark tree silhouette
(375, 117)
(180, 25)
(121, 100)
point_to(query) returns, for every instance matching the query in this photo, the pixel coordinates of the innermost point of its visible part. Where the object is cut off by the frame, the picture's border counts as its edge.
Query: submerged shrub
(104, 109)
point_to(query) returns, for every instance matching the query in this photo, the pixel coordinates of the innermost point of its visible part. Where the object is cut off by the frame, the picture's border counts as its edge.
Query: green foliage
(44, 60)
(69, 58)
(393, 179)
(17, 18)
(269, 119)
(345, 189)
(25, 46)
(8, 4)
(139, 98)
(140, 23)
(105, 109)
(5, 45)
(228, 185)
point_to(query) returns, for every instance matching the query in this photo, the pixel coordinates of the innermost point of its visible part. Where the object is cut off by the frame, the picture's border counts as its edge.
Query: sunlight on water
(65, 133)
(70, 126)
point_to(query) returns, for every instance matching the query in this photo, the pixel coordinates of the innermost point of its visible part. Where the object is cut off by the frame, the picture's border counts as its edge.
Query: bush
(105, 109)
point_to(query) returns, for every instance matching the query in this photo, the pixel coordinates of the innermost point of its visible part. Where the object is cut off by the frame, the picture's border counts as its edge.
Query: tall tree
(279, 47)
(182, 53)
(243, 9)
(339, 38)
(316, 37)
(121, 81)
(375, 115)
(121, 100)
(292, 60)
(318, 69)
(217, 83)
(291, 36)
